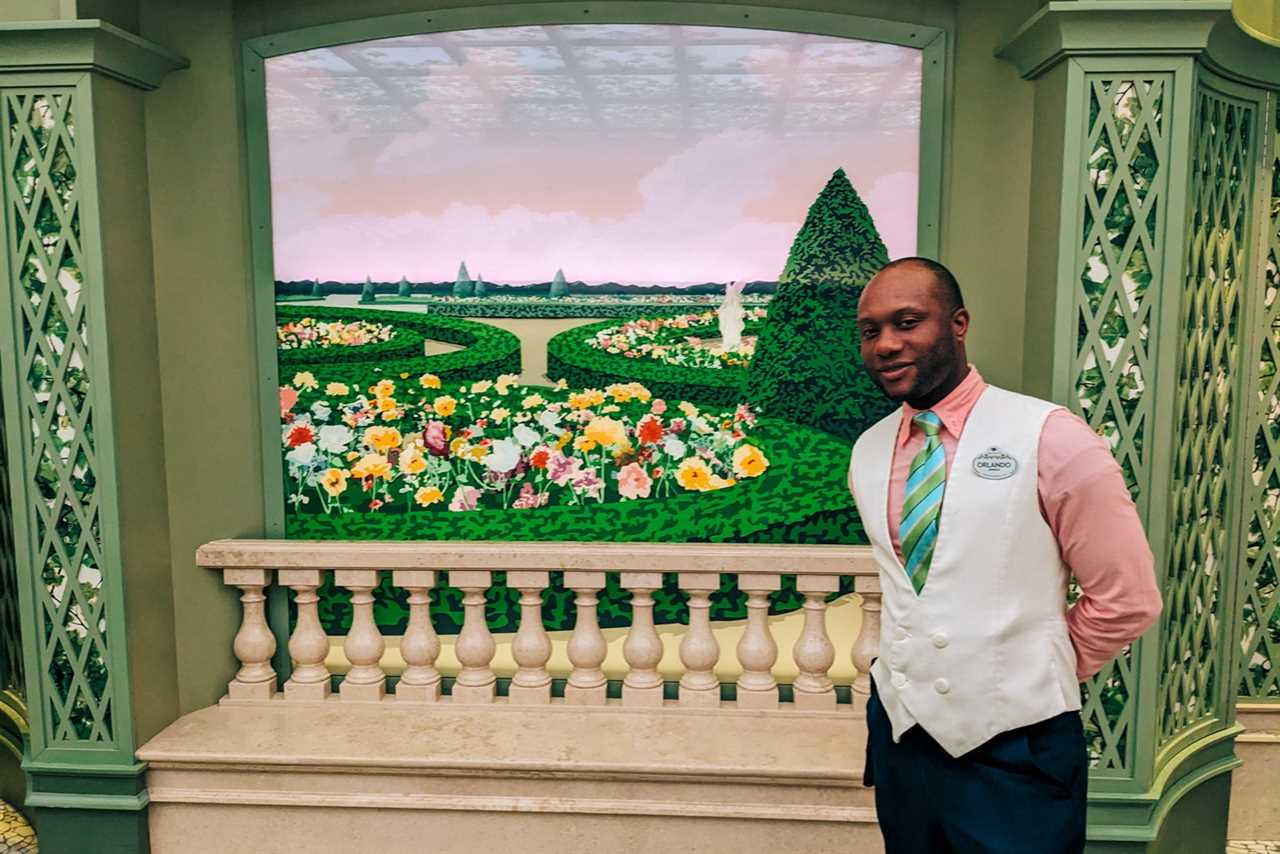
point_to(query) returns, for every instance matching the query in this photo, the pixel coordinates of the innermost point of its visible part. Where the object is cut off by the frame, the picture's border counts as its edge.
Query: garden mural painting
(673, 223)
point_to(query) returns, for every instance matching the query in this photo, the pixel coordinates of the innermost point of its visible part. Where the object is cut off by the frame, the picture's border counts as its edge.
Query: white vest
(984, 648)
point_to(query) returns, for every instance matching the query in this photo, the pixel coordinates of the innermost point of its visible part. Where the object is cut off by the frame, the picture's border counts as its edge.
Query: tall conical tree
(462, 286)
(317, 290)
(807, 366)
(367, 294)
(479, 286)
(559, 287)
(405, 289)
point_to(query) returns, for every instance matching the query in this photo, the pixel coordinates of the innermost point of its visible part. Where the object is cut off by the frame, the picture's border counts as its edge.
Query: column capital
(88, 45)
(1064, 28)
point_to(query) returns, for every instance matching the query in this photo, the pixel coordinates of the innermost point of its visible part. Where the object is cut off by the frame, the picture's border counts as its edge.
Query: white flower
(504, 454)
(673, 446)
(334, 438)
(549, 420)
(321, 410)
(526, 436)
(302, 455)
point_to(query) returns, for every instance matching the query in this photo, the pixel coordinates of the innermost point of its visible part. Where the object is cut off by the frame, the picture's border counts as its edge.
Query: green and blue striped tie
(922, 501)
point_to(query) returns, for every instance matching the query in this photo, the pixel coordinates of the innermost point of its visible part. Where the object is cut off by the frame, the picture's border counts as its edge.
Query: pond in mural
(674, 223)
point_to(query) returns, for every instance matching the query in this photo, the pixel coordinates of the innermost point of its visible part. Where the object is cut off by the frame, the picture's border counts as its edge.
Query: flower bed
(488, 351)
(309, 333)
(677, 340)
(417, 447)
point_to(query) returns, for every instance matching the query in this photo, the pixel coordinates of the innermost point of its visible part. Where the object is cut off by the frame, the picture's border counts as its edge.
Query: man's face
(911, 341)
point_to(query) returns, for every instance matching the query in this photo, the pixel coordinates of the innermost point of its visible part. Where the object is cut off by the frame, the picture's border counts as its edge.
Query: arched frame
(932, 41)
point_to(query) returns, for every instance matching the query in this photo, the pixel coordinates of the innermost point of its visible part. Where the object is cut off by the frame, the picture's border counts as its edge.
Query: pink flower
(465, 498)
(677, 425)
(434, 437)
(562, 469)
(288, 397)
(589, 484)
(633, 482)
(658, 406)
(529, 498)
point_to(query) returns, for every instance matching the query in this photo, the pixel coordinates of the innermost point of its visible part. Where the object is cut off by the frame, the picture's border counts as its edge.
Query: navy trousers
(1023, 792)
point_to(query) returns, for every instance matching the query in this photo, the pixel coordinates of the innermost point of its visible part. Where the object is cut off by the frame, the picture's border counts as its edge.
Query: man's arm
(1085, 501)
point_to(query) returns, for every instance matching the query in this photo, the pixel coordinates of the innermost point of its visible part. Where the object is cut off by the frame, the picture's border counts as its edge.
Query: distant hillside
(299, 288)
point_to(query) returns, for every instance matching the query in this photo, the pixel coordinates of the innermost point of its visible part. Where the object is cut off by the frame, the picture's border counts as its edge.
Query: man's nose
(887, 343)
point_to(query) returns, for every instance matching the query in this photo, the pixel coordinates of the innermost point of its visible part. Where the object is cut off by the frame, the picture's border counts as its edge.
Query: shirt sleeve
(1084, 499)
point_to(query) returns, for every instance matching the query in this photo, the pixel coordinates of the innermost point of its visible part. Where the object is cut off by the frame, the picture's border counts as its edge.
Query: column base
(98, 808)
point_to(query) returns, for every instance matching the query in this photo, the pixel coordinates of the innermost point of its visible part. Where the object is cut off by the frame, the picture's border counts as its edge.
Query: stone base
(237, 690)
(372, 692)
(650, 697)
(474, 694)
(749, 699)
(307, 690)
(529, 695)
(593, 696)
(825, 702)
(700, 698)
(418, 693)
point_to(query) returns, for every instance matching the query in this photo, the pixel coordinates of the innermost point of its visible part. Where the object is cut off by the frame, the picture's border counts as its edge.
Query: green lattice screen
(1205, 411)
(54, 408)
(1126, 152)
(1261, 617)
(11, 670)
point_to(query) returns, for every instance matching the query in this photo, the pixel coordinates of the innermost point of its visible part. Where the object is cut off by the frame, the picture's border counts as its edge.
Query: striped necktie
(922, 501)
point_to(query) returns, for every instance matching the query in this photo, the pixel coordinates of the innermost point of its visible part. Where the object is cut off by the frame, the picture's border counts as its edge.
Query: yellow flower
(337, 389)
(582, 443)
(718, 482)
(384, 388)
(563, 440)
(404, 376)
(562, 384)
(610, 408)
(639, 392)
(620, 393)
(533, 400)
(505, 382)
(352, 455)
(392, 415)
(306, 380)
(749, 461)
(382, 439)
(411, 462)
(500, 414)
(372, 465)
(606, 431)
(458, 447)
(688, 409)
(386, 404)
(444, 405)
(429, 381)
(694, 474)
(578, 400)
(427, 496)
(477, 452)
(481, 386)
(334, 481)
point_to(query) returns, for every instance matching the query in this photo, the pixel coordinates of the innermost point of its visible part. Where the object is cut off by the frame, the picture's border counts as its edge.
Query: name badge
(994, 464)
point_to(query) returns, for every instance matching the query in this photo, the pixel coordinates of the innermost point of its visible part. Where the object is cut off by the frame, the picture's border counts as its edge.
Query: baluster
(587, 648)
(254, 644)
(475, 645)
(308, 645)
(757, 650)
(642, 686)
(420, 682)
(365, 681)
(867, 645)
(699, 650)
(531, 647)
(814, 653)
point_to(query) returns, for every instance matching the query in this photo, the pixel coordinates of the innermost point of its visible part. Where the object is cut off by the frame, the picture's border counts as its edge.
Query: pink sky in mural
(517, 198)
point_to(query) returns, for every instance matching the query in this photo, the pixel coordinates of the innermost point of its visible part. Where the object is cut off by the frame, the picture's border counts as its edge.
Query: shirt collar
(953, 410)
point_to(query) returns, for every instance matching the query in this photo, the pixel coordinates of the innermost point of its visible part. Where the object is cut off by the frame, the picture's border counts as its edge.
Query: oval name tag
(994, 464)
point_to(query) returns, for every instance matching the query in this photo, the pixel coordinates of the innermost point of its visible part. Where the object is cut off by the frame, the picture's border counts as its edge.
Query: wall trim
(91, 46)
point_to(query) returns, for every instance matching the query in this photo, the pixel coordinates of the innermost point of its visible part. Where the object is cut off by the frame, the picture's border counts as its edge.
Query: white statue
(731, 313)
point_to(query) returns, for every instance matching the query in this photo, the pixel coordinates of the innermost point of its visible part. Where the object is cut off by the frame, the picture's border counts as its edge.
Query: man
(979, 504)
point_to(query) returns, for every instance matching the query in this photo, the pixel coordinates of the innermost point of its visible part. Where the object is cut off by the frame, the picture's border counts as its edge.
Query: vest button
(901, 634)
(942, 686)
(939, 640)
(899, 680)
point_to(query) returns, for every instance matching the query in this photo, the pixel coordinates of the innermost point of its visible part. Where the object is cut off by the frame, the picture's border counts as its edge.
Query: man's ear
(960, 323)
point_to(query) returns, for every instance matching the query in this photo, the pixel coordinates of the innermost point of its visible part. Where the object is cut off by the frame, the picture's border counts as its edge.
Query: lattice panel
(11, 666)
(64, 543)
(1261, 618)
(1205, 410)
(1117, 258)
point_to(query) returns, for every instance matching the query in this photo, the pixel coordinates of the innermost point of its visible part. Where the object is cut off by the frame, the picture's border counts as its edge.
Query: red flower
(301, 434)
(539, 458)
(650, 429)
(375, 504)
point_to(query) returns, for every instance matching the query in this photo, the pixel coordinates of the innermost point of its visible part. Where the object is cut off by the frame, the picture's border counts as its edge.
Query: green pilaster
(1152, 285)
(87, 497)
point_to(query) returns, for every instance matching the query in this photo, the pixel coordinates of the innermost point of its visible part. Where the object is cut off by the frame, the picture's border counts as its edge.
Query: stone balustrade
(253, 565)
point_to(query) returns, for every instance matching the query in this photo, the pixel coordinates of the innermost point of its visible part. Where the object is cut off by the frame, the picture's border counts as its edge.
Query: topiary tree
(367, 294)
(462, 286)
(559, 287)
(317, 290)
(405, 289)
(807, 366)
(479, 288)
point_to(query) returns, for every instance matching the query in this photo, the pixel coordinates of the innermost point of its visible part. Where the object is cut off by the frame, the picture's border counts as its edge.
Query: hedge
(581, 365)
(496, 306)
(488, 351)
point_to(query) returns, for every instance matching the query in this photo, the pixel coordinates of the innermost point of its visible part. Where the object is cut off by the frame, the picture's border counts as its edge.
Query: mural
(674, 224)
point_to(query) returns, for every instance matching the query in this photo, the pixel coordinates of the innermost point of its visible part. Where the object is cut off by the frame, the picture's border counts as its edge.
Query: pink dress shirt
(1086, 504)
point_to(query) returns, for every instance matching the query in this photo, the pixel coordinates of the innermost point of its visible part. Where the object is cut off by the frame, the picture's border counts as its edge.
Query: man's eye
(907, 323)
(868, 334)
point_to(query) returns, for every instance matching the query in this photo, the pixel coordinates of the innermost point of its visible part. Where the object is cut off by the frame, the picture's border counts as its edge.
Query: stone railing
(253, 565)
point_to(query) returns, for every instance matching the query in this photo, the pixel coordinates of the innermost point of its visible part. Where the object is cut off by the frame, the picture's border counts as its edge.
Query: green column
(1145, 315)
(79, 381)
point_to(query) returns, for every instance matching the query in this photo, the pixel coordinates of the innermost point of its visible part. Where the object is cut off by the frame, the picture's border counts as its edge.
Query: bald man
(980, 504)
